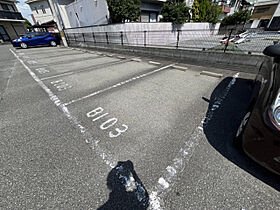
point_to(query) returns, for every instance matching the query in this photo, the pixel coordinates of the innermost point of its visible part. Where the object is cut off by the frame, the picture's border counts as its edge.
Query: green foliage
(27, 23)
(124, 10)
(195, 11)
(236, 18)
(205, 11)
(175, 11)
(213, 13)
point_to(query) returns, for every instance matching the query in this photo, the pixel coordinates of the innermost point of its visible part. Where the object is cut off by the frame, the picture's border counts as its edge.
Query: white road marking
(58, 75)
(89, 139)
(31, 62)
(183, 68)
(169, 175)
(211, 74)
(119, 84)
(219, 101)
(42, 70)
(136, 59)
(154, 63)
(184, 154)
(107, 124)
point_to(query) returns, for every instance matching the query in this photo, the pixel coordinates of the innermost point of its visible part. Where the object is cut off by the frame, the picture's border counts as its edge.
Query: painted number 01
(97, 114)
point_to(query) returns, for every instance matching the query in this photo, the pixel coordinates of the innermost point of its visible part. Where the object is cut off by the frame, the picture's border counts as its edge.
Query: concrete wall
(238, 62)
(87, 12)
(134, 32)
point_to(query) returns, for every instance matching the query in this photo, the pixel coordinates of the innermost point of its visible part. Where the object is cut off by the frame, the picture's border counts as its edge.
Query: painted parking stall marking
(105, 155)
(42, 70)
(117, 85)
(98, 114)
(61, 85)
(116, 126)
(86, 83)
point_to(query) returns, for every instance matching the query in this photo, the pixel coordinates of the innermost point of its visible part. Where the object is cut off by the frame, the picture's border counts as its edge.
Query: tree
(195, 11)
(175, 11)
(124, 10)
(205, 11)
(236, 18)
(28, 25)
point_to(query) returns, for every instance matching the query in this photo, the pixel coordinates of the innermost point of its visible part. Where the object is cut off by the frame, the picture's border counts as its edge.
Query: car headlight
(277, 116)
(275, 111)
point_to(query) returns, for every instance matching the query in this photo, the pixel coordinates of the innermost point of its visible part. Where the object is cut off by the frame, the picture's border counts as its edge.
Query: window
(263, 23)
(145, 17)
(11, 8)
(43, 9)
(36, 10)
(3, 34)
(153, 17)
(39, 34)
(4, 6)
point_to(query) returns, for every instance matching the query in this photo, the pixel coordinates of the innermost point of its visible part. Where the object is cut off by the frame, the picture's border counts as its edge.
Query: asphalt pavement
(94, 130)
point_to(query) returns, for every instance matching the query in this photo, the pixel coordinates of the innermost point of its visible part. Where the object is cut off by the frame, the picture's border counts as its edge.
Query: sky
(25, 10)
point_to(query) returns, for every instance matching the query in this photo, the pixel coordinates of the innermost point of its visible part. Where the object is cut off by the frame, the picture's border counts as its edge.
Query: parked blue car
(34, 39)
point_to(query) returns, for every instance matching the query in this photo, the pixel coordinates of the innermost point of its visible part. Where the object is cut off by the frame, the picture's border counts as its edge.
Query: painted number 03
(97, 114)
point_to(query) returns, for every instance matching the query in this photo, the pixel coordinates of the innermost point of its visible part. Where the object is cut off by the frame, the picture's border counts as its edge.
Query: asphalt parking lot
(88, 130)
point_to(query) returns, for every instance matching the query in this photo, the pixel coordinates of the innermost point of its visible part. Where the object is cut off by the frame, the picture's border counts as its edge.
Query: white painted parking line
(183, 68)
(89, 139)
(211, 74)
(58, 75)
(185, 153)
(136, 59)
(119, 84)
(154, 63)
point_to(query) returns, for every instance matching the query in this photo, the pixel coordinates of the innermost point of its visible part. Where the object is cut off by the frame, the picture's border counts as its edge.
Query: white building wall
(41, 17)
(47, 17)
(255, 23)
(87, 13)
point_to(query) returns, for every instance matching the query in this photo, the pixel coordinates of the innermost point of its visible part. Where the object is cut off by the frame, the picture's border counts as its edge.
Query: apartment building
(95, 12)
(266, 13)
(11, 21)
(42, 14)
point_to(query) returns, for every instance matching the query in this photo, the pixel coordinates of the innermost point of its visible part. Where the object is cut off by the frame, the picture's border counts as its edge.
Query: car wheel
(23, 45)
(53, 43)
(240, 130)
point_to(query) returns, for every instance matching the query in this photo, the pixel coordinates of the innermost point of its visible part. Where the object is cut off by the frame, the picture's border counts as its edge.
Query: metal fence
(252, 41)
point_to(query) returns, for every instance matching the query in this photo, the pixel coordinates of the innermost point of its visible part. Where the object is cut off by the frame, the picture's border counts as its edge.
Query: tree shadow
(127, 190)
(227, 107)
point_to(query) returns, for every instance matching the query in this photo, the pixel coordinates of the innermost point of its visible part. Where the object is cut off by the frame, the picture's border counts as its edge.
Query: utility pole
(57, 20)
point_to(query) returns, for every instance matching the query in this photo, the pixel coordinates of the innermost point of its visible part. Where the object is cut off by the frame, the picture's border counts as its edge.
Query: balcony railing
(11, 15)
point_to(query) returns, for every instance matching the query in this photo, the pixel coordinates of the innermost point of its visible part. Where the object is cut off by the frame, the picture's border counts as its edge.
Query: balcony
(10, 15)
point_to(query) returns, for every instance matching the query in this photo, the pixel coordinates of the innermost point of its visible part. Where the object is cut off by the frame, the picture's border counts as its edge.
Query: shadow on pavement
(127, 190)
(222, 121)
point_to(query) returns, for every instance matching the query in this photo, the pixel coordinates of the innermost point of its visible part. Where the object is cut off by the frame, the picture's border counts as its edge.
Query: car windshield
(35, 34)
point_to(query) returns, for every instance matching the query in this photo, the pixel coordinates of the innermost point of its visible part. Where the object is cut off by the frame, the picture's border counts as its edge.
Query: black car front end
(261, 137)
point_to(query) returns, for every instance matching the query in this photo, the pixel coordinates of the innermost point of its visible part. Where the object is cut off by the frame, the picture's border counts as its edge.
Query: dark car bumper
(261, 141)
(15, 44)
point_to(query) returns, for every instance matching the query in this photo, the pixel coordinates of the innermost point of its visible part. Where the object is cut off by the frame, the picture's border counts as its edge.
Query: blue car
(34, 39)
